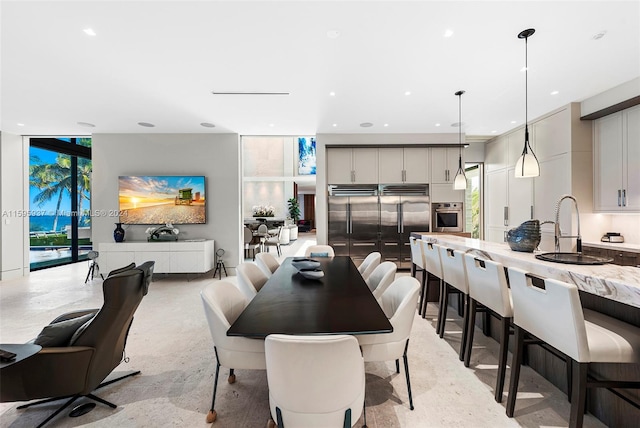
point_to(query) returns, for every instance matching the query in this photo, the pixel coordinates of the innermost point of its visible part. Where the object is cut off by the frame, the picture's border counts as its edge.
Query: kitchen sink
(573, 258)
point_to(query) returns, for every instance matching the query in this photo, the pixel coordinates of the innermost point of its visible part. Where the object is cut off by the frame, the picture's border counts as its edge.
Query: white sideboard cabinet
(170, 257)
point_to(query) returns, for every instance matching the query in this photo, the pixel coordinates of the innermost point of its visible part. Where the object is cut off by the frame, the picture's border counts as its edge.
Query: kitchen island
(610, 289)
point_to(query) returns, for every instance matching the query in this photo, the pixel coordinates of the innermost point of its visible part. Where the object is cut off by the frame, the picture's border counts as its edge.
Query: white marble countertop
(622, 246)
(619, 283)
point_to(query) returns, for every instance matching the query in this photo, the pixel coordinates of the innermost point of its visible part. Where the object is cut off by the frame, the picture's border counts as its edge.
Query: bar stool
(455, 281)
(488, 286)
(417, 265)
(554, 315)
(433, 266)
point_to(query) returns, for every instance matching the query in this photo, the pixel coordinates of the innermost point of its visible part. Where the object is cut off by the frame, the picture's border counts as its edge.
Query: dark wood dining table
(338, 303)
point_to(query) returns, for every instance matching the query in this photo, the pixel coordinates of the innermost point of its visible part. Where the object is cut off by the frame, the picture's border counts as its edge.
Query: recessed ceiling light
(366, 125)
(437, 124)
(89, 32)
(332, 94)
(207, 125)
(86, 124)
(513, 121)
(271, 125)
(333, 34)
(448, 33)
(599, 35)
(494, 131)
(407, 93)
(335, 124)
(20, 124)
(385, 125)
(555, 93)
(146, 124)
(248, 93)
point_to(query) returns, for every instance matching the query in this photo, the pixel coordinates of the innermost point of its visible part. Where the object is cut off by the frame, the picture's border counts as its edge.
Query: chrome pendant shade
(527, 164)
(460, 181)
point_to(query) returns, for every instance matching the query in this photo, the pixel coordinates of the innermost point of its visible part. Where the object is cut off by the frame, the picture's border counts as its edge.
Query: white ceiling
(159, 61)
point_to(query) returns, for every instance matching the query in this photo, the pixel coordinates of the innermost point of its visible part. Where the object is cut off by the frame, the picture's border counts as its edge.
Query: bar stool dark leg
(516, 362)
(470, 330)
(465, 326)
(445, 305)
(502, 364)
(579, 393)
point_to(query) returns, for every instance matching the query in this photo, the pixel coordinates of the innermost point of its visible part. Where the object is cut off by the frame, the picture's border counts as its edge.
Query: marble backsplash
(594, 225)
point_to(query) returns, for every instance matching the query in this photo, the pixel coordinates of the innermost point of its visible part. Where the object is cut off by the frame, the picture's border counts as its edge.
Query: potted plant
(294, 209)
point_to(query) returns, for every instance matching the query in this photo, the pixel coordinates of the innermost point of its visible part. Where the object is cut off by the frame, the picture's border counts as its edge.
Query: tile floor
(170, 343)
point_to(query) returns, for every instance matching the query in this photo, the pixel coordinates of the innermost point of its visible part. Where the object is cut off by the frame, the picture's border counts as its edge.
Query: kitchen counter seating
(617, 283)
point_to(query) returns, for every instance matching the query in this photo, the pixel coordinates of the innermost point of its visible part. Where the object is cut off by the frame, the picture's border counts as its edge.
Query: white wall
(14, 252)
(216, 156)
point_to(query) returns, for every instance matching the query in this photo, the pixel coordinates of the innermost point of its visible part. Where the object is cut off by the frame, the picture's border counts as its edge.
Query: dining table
(338, 303)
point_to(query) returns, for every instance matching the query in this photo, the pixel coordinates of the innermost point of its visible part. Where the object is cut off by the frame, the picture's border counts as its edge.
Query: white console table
(170, 256)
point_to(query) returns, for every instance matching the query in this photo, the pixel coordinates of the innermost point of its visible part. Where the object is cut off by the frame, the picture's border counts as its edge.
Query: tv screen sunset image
(162, 199)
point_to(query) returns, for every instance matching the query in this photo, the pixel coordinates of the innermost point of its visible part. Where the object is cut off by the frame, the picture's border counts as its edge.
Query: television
(161, 199)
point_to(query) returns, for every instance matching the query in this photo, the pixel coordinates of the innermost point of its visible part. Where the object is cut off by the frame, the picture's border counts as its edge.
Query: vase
(526, 237)
(118, 233)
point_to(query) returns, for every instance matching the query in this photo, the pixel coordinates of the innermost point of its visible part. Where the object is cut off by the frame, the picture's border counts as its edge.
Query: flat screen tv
(161, 199)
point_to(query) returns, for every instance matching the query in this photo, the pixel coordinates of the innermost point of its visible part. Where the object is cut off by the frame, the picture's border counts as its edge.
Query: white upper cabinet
(495, 154)
(617, 161)
(403, 165)
(444, 164)
(352, 165)
(552, 135)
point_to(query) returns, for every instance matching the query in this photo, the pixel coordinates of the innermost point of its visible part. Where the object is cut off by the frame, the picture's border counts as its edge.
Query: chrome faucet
(558, 233)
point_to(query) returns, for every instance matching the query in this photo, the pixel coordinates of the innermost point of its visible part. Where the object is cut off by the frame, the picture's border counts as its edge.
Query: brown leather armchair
(96, 348)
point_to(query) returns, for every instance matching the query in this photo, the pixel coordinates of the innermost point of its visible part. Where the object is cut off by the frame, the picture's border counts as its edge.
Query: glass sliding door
(59, 201)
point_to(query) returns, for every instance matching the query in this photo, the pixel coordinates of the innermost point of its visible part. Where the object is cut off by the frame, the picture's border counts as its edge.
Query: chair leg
(397, 366)
(211, 416)
(470, 331)
(516, 362)
(406, 372)
(347, 419)
(100, 400)
(502, 363)
(579, 393)
(364, 410)
(90, 273)
(445, 305)
(422, 293)
(413, 270)
(60, 409)
(465, 327)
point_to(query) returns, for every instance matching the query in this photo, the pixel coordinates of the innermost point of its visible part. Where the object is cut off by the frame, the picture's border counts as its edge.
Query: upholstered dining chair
(551, 311)
(250, 246)
(381, 277)
(369, 264)
(398, 302)
(267, 263)
(314, 381)
(223, 303)
(80, 349)
(319, 251)
(250, 279)
(274, 241)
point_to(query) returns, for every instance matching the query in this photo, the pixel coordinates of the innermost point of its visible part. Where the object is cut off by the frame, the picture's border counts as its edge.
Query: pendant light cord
(526, 93)
(460, 130)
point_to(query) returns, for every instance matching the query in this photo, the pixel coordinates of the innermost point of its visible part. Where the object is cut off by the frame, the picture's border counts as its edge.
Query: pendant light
(527, 165)
(460, 182)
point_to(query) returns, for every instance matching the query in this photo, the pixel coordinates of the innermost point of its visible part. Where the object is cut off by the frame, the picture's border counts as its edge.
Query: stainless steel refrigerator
(403, 209)
(353, 220)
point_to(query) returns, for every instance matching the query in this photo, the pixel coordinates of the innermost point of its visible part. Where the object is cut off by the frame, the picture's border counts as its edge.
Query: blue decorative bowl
(311, 273)
(526, 237)
(300, 264)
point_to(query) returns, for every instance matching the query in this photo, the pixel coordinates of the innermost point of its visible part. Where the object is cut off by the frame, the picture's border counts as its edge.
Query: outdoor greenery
(54, 179)
(294, 209)
(475, 213)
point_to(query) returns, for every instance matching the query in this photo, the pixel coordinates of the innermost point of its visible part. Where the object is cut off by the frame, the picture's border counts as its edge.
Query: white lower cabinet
(169, 257)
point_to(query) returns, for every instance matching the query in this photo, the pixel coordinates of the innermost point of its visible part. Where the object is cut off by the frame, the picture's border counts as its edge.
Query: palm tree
(52, 179)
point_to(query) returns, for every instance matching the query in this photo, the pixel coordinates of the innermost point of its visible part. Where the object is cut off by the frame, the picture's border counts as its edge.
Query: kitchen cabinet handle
(364, 244)
(390, 244)
(506, 216)
(338, 244)
(532, 211)
(353, 176)
(504, 238)
(619, 194)
(624, 197)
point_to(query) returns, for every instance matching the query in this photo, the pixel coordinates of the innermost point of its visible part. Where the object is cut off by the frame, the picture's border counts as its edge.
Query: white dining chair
(369, 264)
(319, 251)
(381, 277)
(418, 266)
(398, 303)
(250, 279)
(555, 315)
(315, 381)
(267, 263)
(223, 303)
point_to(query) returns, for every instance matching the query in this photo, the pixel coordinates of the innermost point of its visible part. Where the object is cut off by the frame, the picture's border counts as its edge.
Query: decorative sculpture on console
(162, 233)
